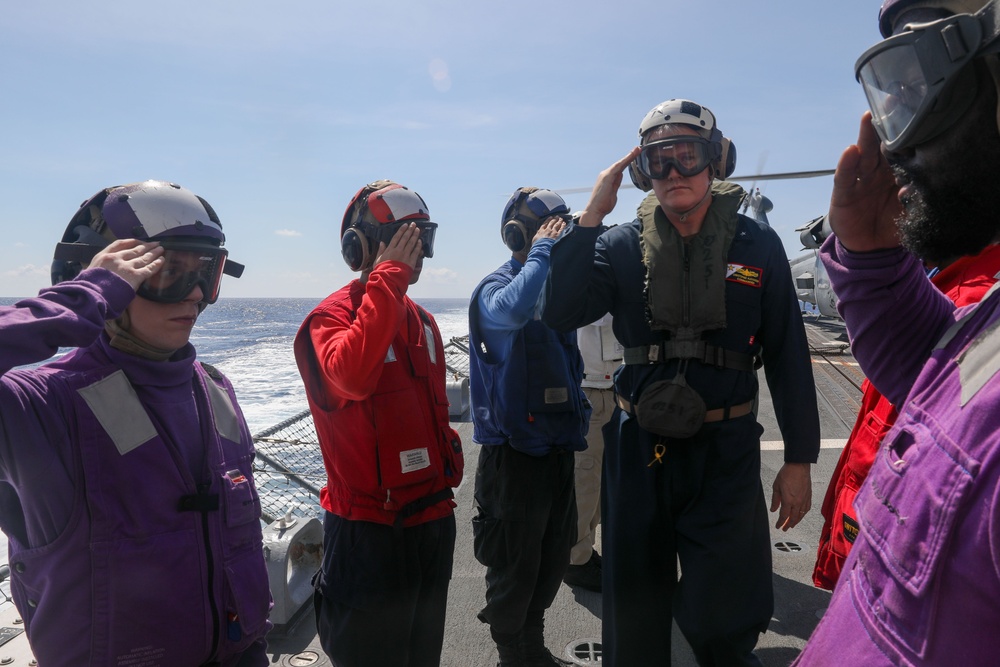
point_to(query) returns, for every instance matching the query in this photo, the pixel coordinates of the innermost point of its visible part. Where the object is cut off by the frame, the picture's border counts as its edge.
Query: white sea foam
(250, 340)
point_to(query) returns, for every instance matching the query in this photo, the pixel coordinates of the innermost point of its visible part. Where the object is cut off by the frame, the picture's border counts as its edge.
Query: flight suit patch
(744, 275)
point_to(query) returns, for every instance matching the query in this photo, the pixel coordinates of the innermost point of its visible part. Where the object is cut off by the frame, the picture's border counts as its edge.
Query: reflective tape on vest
(118, 409)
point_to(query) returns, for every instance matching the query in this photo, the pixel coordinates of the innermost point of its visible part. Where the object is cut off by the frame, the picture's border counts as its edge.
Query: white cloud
(26, 271)
(287, 232)
(439, 275)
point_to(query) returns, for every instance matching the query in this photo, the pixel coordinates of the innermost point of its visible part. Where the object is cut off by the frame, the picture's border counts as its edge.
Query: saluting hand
(604, 196)
(864, 205)
(405, 246)
(550, 229)
(134, 260)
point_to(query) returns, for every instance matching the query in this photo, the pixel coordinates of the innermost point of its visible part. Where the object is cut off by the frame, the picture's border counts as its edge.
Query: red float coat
(965, 281)
(374, 369)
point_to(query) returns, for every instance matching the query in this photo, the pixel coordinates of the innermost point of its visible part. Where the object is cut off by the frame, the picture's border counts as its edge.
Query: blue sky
(277, 113)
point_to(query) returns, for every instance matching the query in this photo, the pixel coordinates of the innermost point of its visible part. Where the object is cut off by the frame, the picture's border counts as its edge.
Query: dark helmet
(890, 8)
(925, 78)
(375, 214)
(525, 212)
(150, 210)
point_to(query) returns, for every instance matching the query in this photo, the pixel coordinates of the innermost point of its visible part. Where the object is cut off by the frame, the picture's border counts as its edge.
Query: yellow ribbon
(659, 451)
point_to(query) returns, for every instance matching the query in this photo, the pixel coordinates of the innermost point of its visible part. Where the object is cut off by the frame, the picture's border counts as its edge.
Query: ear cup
(726, 164)
(515, 235)
(355, 249)
(638, 179)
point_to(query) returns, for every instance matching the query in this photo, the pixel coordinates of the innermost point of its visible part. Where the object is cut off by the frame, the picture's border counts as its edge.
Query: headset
(375, 214)
(516, 228)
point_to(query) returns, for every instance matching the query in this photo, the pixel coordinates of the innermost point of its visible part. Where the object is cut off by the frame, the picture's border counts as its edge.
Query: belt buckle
(654, 353)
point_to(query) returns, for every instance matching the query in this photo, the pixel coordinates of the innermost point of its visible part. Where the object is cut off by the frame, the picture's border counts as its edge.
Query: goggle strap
(234, 269)
(76, 252)
(989, 19)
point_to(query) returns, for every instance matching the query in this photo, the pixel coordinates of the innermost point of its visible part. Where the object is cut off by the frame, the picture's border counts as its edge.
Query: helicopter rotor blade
(783, 176)
(750, 177)
(748, 196)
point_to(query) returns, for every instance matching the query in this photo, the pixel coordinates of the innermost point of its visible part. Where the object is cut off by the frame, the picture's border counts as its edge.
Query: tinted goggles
(428, 230)
(186, 266)
(541, 203)
(687, 154)
(904, 76)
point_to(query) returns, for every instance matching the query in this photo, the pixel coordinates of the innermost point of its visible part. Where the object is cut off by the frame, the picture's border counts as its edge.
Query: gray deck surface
(575, 617)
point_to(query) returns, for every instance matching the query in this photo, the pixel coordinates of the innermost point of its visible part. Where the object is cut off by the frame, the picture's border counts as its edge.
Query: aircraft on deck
(812, 283)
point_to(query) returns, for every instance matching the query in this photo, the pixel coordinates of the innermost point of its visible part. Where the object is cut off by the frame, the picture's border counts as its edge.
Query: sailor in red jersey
(373, 365)
(964, 281)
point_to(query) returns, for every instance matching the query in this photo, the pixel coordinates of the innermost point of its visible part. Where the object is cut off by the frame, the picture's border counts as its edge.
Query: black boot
(587, 575)
(532, 643)
(507, 649)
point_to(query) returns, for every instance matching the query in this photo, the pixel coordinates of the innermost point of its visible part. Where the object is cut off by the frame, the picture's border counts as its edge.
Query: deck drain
(584, 652)
(788, 547)
(304, 659)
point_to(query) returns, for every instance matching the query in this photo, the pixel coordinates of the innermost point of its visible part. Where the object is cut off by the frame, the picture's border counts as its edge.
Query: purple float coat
(922, 583)
(126, 492)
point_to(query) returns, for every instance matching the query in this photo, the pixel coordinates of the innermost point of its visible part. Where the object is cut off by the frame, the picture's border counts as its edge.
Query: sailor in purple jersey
(126, 485)
(922, 581)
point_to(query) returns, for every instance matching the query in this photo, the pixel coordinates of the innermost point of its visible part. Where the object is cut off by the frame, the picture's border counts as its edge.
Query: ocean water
(250, 340)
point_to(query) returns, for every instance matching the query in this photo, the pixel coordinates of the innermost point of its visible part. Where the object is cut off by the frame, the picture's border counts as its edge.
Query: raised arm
(894, 315)
(72, 313)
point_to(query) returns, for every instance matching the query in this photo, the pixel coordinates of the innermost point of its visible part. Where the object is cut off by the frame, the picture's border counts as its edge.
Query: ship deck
(573, 624)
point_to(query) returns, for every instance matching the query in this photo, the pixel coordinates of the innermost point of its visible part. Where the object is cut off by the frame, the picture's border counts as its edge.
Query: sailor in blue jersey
(698, 294)
(529, 416)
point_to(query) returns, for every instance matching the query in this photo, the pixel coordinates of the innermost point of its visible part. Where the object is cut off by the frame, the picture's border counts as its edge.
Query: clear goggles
(904, 75)
(687, 154)
(428, 230)
(186, 266)
(542, 204)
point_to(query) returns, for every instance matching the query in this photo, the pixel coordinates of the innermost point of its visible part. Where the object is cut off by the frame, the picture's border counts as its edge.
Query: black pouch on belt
(671, 408)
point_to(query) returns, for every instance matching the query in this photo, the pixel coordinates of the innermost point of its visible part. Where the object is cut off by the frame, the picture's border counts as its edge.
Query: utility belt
(716, 415)
(671, 408)
(699, 350)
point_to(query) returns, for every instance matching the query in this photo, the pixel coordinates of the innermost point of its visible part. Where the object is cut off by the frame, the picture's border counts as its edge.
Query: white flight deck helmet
(183, 223)
(722, 152)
